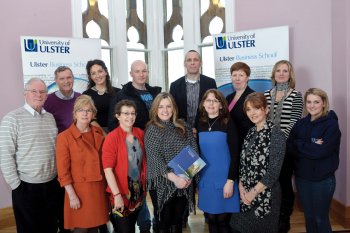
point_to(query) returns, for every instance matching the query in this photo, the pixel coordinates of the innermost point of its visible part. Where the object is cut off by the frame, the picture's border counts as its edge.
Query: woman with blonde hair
(314, 143)
(78, 154)
(286, 107)
(165, 137)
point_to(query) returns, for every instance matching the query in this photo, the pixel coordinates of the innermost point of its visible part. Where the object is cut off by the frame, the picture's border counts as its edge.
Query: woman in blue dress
(218, 195)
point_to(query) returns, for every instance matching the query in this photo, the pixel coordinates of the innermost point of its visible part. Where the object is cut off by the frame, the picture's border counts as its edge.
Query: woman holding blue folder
(165, 137)
(218, 194)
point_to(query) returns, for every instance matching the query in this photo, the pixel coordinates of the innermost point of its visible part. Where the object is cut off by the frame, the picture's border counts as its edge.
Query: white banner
(42, 55)
(260, 49)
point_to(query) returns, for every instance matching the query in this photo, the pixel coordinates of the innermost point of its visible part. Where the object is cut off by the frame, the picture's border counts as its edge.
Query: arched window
(158, 32)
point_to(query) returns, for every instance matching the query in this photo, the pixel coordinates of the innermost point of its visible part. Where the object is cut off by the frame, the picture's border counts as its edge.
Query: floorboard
(196, 222)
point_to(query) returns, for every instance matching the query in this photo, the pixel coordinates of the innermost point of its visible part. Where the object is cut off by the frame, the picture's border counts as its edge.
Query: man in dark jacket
(143, 95)
(189, 89)
(188, 92)
(138, 91)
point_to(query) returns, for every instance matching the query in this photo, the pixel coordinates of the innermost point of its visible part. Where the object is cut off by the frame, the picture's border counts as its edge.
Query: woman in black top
(100, 89)
(240, 72)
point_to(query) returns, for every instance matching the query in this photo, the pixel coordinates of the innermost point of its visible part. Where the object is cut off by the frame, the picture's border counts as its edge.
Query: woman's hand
(182, 183)
(242, 193)
(228, 189)
(179, 182)
(250, 196)
(118, 203)
(74, 202)
(319, 141)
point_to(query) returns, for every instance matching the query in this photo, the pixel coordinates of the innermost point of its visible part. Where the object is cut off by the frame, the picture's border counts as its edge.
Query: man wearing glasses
(143, 95)
(28, 163)
(60, 104)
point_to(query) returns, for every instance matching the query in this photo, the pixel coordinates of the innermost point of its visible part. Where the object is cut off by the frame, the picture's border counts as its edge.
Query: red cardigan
(114, 155)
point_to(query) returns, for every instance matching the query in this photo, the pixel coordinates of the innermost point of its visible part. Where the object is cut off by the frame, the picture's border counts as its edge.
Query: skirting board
(6, 218)
(340, 213)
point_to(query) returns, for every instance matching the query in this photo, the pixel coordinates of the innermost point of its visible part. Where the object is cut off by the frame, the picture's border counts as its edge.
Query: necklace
(100, 92)
(211, 125)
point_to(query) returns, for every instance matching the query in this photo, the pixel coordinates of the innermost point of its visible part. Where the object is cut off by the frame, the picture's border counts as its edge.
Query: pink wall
(25, 18)
(319, 51)
(341, 100)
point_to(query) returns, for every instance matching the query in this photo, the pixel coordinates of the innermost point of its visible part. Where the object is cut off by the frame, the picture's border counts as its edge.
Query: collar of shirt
(32, 111)
(63, 97)
(192, 81)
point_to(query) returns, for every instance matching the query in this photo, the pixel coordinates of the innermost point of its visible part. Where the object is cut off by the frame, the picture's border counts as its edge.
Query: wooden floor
(196, 222)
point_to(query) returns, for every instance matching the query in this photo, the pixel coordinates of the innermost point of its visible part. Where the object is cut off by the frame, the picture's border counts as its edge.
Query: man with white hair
(28, 162)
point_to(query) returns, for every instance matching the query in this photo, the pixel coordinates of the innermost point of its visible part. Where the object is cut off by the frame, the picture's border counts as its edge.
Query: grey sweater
(27, 147)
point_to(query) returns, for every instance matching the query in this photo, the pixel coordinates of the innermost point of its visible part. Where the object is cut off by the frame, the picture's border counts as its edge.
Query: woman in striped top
(286, 107)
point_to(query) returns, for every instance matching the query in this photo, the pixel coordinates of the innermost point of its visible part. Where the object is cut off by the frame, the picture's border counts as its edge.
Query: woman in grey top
(260, 164)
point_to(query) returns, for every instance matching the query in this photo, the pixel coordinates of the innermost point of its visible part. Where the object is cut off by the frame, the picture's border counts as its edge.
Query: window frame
(154, 10)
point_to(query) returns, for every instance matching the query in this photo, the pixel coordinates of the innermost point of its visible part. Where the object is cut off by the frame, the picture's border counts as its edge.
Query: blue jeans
(144, 218)
(316, 197)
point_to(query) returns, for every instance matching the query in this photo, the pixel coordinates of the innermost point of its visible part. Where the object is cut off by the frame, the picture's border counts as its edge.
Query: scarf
(275, 115)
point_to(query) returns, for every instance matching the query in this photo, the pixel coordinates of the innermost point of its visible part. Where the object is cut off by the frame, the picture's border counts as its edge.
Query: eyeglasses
(34, 91)
(214, 101)
(129, 113)
(85, 110)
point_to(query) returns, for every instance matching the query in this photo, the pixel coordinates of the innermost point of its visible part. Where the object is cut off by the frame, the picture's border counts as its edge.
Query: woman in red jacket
(124, 163)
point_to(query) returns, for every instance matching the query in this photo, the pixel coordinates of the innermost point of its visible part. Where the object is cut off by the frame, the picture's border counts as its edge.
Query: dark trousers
(61, 211)
(219, 223)
(144, 218)
(316, 198)
(172, 212)
(125, 224)
(287, 197)
(35, 207)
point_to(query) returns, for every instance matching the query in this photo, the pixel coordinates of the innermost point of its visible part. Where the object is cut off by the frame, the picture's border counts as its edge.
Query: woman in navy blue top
(314, 143)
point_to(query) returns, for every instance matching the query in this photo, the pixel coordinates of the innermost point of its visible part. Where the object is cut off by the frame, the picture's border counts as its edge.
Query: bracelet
(114, 195)
(230, 181)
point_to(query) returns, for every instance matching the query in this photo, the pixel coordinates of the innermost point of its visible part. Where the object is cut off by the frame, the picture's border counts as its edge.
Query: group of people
(114, 145)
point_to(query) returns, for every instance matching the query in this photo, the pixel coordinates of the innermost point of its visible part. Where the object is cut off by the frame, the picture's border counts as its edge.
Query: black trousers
(36, 207)
(285, 179)
(125, 224)
(219, 223)
(172, 212)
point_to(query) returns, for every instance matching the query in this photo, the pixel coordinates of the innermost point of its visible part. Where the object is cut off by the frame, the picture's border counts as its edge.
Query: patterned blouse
(261, 160)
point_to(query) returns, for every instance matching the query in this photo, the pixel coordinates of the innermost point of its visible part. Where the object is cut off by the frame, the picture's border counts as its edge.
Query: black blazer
(239, 117)
(178, 91)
